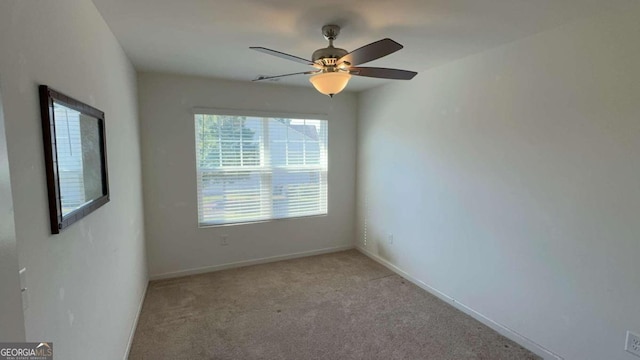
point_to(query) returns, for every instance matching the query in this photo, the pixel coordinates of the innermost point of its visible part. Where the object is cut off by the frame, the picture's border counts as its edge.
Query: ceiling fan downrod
(328, 56)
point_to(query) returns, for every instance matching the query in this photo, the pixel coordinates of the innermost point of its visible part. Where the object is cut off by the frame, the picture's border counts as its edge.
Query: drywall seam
(501, 329)
(135, 323)
(243, 263)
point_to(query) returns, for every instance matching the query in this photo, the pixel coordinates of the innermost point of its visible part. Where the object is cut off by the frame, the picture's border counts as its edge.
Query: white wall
(175, 244)
(85, 285)
(511, 182)
(11, 317)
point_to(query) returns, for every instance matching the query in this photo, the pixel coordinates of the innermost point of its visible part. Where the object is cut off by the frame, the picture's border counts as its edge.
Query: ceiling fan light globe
(330, 83)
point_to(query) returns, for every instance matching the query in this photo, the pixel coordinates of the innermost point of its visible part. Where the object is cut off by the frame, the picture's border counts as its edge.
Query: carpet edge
(497, 327)
(237, 264)
(134, 326)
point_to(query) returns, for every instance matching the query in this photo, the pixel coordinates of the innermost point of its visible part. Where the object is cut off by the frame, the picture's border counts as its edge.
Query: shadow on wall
(383, 249)
(373, 241)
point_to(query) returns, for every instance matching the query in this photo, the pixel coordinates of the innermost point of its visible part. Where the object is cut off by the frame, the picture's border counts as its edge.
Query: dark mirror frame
(47, 98)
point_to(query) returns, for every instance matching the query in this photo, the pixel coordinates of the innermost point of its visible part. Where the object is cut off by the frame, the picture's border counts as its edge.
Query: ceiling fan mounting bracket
(331, 32)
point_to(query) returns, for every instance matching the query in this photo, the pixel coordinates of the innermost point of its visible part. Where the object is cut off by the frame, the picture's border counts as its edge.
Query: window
(258, 168)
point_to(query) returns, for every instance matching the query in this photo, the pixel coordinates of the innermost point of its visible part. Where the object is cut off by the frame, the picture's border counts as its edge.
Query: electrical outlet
(633, 343)
(223, 240)
(390, 238)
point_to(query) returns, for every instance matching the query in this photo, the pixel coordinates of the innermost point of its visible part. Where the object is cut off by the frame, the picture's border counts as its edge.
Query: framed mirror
(76, 158)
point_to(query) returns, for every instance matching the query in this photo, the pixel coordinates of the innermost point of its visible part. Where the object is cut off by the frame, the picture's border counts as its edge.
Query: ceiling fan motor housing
(328, 55)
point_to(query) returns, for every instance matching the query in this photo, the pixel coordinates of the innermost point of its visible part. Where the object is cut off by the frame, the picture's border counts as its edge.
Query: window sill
(208, 226)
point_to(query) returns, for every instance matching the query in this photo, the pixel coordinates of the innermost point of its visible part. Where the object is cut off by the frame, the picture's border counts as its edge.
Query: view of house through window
(259, 168)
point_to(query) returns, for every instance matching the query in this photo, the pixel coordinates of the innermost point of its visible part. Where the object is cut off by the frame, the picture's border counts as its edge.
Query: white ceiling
(212, 37)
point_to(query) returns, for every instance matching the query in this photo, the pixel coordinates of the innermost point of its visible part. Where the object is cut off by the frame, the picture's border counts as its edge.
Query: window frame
(256, 169)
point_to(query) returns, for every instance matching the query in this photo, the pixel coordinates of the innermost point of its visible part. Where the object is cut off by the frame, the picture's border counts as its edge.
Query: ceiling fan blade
(383, 73)
(370, 52)
(279, 76)
(282, 55)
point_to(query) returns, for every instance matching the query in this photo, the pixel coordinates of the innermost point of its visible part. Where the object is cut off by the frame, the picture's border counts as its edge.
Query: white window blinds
(259, 168)
(69, 158)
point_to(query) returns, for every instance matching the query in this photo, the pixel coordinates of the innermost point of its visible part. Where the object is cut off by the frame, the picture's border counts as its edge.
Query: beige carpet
(335, 306)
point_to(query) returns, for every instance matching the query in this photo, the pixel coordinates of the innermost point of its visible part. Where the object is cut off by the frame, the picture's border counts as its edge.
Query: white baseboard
(499, 328)
(238, 264)
(135, 322)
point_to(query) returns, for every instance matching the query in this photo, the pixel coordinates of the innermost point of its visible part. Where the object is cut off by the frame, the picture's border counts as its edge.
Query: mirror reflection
(78, 157)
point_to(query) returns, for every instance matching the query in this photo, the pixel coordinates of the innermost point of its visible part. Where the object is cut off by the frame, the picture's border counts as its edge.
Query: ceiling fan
(334, 66)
